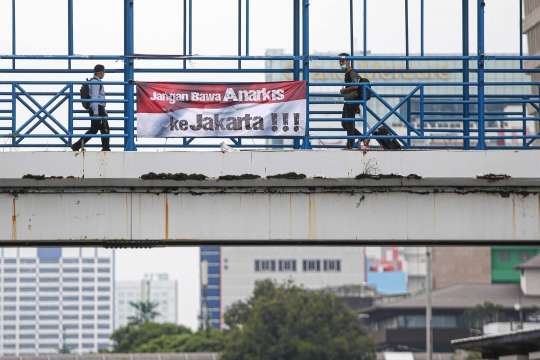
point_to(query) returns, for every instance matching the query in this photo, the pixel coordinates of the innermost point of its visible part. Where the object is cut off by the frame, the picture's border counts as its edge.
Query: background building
(54, 298)
(233, 271)
(161, 290)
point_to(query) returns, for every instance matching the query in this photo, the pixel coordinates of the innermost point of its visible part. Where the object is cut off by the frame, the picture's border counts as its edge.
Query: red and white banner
(221, 110)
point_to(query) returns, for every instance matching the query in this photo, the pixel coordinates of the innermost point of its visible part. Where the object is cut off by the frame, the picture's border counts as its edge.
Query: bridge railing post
(129, 71)
(305, 69)
(481, 145)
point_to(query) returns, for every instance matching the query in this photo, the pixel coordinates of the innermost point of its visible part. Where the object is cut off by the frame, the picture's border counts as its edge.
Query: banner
(276, 109)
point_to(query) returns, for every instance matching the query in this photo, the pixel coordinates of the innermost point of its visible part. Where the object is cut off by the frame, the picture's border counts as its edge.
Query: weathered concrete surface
(432, 197)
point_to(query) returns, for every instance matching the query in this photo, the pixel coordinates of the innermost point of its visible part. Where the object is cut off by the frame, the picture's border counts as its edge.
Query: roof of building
(464, 296)
(532, 263)
(494, 345)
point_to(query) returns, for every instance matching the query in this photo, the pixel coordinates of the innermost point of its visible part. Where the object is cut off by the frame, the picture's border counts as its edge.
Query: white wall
(530, 281)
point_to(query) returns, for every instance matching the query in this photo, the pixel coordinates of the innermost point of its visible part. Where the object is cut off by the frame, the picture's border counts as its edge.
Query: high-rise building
(55, 298)
(156, 288)
(233, 271)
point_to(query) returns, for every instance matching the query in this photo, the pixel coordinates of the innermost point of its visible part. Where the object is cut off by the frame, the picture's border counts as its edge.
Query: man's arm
(94, 95)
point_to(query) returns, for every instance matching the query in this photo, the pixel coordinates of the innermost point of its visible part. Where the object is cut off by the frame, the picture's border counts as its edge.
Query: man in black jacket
(350, 110)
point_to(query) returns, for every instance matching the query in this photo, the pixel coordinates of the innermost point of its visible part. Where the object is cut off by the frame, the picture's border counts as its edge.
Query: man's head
(344, 64)
(99, 71)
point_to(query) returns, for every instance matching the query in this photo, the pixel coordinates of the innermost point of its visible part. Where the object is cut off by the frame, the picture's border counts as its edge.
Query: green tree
(132, 336)
(145, 311)
(483, 314)
(289, 322)
(201, 341)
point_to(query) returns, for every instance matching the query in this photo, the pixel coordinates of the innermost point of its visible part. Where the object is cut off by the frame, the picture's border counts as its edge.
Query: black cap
(99, 68)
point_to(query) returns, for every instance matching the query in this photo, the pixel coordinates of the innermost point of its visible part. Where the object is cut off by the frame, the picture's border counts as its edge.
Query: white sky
(42, 29)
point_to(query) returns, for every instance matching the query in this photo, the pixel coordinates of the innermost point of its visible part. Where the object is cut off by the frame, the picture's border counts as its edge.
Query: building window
(71, 317)
(103, 326)
(10, 270)
(71, 298)
(24, 298)
(87, 336)
(27, 317)
(10, 308)
(103, 298)
(70, 308)
(332, 265)
(70, 261)
(104, 261)
(88, 270)
(523, 256)
(10, 289)
(10, 327)
(88, 307)
(104, 307)
(88, 261)
(10, 280)
(48, 317)
(70, 279)
(27, 280)
(48, 336)
(28, 289)
(104, 270)
(265, 265)
(49, 308)
(49, 298)
(49, 289)
(71, 270)
(48, 279)
(10, 298)
(49, 270)
(287, 265)
(88, 317)
(104, 279)
(312, 265)
(9, 317)
(10, 261)
(28, 261)
(30, 308)
(23, 270)
(88, 326)
(504, 256)
(27, 327)
(70, 289)
(106, 288)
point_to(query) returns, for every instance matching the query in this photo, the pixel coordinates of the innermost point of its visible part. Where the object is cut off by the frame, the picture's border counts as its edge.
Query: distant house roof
(532, 263)
(495, 345)
(463, 296)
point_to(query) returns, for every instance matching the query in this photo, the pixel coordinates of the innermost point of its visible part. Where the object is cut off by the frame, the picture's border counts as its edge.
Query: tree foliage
(164, 338)
(288, 322)
(483, 314)
(145, 311)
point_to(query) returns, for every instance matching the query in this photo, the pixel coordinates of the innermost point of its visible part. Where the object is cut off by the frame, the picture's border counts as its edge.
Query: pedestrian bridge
(251, 197)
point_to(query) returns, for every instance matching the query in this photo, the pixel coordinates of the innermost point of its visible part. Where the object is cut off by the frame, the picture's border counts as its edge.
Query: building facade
(158, 289)
(55, 298)
(233, 271)
(504, 259)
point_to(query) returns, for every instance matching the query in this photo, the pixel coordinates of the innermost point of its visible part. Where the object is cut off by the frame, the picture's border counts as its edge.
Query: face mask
(344, 67)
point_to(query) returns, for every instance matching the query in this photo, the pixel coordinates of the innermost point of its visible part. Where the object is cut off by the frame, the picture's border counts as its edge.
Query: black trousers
(349, 111)
(95, 126)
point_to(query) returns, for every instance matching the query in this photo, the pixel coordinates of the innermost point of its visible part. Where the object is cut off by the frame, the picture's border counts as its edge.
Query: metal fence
(48, 113)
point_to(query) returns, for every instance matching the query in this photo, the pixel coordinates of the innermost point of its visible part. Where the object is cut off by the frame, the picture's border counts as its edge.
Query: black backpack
(361, 89)
(85, 94)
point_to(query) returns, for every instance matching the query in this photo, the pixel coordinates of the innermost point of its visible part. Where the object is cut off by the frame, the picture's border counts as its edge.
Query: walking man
(350, 110)
(96, 109)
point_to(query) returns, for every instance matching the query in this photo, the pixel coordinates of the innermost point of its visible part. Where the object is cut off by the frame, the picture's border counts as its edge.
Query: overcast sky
(98, 29)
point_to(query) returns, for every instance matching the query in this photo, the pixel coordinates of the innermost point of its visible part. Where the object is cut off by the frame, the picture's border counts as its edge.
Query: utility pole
(429, 332)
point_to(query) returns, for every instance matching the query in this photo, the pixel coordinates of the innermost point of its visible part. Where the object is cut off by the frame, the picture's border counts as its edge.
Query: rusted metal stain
(312, 218)
(493, 177)
(14, 220)
(166, 217)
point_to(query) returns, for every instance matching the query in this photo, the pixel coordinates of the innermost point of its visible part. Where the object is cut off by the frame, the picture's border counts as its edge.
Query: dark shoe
(75, 148)
(105, 149)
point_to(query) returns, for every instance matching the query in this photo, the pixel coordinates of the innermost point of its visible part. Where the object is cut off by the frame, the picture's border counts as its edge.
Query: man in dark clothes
(97, 109)
(350, 110)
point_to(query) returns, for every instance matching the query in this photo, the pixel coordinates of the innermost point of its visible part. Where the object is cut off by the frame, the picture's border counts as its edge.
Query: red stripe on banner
(154, 97)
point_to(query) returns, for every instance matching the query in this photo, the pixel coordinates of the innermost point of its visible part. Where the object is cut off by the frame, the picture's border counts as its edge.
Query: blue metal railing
(472, 116)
